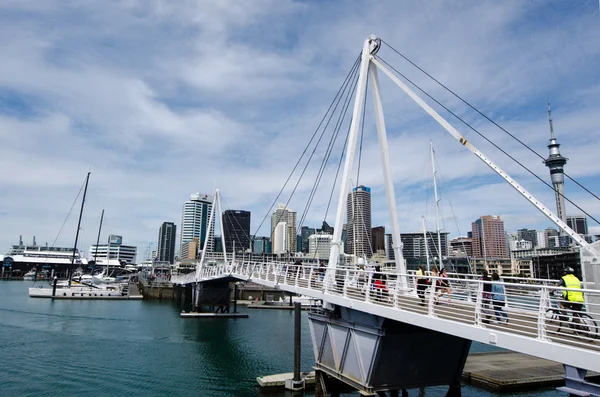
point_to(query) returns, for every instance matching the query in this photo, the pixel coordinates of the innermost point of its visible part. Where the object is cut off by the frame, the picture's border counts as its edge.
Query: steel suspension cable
(356, 62)
(485, 138)
(332, 141)
(485, 116)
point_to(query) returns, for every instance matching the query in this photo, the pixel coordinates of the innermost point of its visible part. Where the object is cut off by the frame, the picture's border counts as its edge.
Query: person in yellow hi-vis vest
(571, 299)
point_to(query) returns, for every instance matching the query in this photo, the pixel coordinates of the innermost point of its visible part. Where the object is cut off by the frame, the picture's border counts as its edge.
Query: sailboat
(75, 286)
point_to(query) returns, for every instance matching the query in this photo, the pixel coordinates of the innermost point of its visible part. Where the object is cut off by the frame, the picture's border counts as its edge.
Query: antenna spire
(550, 120)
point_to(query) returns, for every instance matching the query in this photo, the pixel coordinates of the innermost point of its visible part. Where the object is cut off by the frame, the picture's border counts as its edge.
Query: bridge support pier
(376, 355)
(576, 385)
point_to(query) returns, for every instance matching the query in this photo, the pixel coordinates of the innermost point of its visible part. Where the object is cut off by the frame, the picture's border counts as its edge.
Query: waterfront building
(236, 229)
(578, 223)
(115, 249)
(286, 238)
(461, 247)
(413, 246)
(489, 240)
(195, 216)
(516, 245)
(165, 252)
(21, 258)
(190, 249)
(378, 238)
(319, 245)
(359, 222)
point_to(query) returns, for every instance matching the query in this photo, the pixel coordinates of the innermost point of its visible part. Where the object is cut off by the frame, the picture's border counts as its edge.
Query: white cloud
(161, 99)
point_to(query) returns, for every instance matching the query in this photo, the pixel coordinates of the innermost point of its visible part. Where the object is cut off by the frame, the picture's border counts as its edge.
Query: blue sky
(160, 99)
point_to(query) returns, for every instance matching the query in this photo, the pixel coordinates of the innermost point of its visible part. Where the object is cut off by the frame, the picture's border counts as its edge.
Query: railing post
(346, 280)
(395, 292)
(478, 305)
(297, 275)
(368, 292)
(544, 305)
(310, 276)
(431, 301)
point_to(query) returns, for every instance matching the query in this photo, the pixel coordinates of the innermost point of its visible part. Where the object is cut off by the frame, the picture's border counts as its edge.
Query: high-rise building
(280, 239)
(578, 224)
(236, 227)
(541, 239)
(378, 238)
(555, 162)
(195, 217)
(552, 240)
(414, 245)
(359, 222)
(305, 233)
(260, 245)
(166, 242)
(528, 235)
(489, 240)
(319, 245)
(283, 215)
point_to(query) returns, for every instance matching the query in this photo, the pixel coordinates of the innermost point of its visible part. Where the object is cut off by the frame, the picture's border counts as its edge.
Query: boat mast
(437, 205)
(87, 179)
(425, 237)
(98, 239)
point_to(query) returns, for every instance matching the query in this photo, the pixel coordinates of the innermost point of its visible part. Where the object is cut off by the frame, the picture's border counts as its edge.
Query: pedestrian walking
(444, 285)
(486, 296)
(498, 299)
(421, 284)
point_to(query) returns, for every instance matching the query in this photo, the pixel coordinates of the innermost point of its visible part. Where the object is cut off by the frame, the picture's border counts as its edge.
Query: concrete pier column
(235, 293)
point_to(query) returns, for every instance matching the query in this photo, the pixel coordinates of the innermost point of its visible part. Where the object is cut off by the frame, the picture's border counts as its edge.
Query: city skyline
(151, 119)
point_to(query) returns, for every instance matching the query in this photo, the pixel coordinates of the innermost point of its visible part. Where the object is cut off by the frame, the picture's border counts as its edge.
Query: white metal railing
(531, 305)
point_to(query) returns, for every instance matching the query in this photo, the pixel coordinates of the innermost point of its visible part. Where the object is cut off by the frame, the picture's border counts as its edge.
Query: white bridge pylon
(532, 329)
(369, 65)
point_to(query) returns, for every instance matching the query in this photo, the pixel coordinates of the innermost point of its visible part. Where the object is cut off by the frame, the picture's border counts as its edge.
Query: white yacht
(30, 275)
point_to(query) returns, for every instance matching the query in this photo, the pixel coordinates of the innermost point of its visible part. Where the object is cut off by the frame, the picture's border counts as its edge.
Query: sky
(161, 99)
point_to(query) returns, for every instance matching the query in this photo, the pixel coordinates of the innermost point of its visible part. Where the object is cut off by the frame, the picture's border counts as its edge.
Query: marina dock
(510, 371)
(500, 371)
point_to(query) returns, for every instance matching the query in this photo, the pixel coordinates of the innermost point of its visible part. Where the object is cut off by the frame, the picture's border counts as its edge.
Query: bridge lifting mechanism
(365, 337)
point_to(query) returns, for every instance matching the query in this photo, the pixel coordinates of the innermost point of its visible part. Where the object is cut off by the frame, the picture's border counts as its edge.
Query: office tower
(305, 233)
(541, 239)
(236, 228)
(166, 242)
(319, 245)
(195, 217)
(286, 232)
(528, 235)
(359, 222)
(413, 245)
(555, 162)
(462, 246)
(552, 240)
(578, 224)
(489, 240)
(378, 238)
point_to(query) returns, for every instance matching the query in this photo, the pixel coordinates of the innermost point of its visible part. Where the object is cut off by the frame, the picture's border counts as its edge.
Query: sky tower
(555, 162)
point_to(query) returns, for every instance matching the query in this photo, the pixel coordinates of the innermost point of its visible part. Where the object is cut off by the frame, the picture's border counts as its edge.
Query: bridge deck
(531, 328)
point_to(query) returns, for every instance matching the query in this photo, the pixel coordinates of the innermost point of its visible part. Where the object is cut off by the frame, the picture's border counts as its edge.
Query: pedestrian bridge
(532, 327)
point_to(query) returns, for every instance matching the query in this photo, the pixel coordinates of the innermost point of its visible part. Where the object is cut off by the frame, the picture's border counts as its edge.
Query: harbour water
(143, 348)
